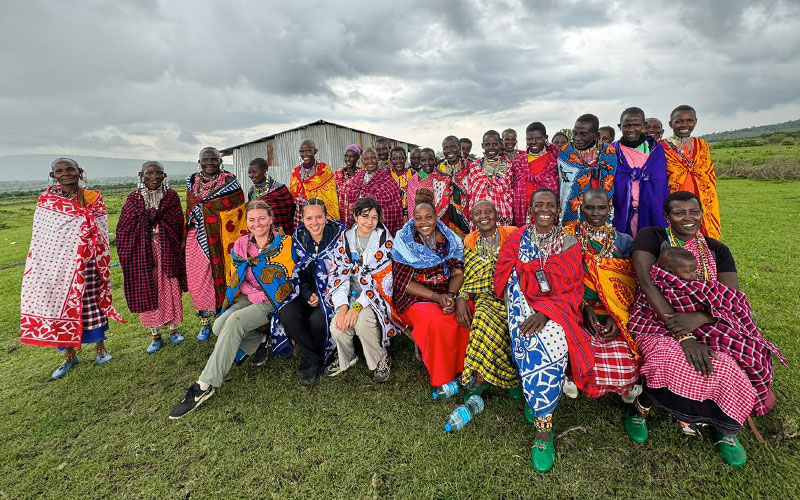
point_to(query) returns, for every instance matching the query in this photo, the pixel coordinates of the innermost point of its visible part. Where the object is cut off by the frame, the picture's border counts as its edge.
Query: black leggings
(306, 326)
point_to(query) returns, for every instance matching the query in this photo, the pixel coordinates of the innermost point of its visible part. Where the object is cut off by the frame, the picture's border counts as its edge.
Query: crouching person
(259, 284)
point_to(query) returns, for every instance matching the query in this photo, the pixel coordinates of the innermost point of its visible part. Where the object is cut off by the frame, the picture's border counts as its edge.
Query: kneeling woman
(360, 289)
(428, 270)
(539, 271)
(259, 284)
(306, 317)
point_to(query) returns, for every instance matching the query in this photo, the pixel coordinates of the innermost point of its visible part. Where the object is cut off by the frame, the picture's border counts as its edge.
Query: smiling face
(653, 128)
(424, 220)
(510, 142)
(595, 209)
(451, 151)
(367, 221)
(685, 218)
(350, 158)
(544, 211)
(257, 174)
(369, 160)
(210, 162)
(314, 218)
(427, 162)
(67, 175)
(584, 135)
(153, 176)
(536, 141)
(631, 126)
(383, 151)
(682, 123)
(259, 223)
(398, 160)
(491, 146)
(484, 216)
(308, 153)
(414, 158)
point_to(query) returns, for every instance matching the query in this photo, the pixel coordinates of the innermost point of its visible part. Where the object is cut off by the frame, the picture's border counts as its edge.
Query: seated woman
(260, 283)
(66, 290)
(306, 317)
(431, 179)
(379, 184)
(609, 284)
(360, 288)
(427, 272)
(149, 244)
(698, 365)
(488, 357)
(540, 274)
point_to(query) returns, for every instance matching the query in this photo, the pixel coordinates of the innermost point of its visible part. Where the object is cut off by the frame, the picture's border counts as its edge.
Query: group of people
(567, 267)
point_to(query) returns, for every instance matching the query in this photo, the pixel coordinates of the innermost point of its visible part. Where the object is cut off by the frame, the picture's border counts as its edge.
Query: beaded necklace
(488, 247)
(265, 187)
(604, 235)
(308, 172)
(152, 198)
(702, 249)
(494, 168)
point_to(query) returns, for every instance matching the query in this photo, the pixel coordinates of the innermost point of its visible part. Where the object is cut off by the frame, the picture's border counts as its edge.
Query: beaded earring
(51, 181)
(83, 178)
(140, 184)
(199, 168)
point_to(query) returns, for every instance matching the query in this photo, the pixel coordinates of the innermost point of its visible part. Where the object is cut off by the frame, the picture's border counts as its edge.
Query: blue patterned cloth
(419, 256)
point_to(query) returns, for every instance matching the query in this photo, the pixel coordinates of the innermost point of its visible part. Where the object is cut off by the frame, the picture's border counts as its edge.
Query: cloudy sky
(160, 79)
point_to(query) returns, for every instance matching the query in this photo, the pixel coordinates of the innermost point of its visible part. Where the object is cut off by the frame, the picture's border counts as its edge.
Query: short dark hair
(590, 119)
(507, 131)
(680, 196)
(366, 204)
(398, 148)
(260, 163)
(381, 140)
(428, 150)
(682, 107)
(596, 191)
(536, 126)
(465, 140)
(610, 131)
(633, 111)
(490, 133)
(453, 138)
(543, 190)
(559, 133)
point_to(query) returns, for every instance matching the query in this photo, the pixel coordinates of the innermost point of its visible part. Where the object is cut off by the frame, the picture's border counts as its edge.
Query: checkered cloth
(497, 189)
(529, 175)
(343, 182)
(282, 203)
(385, 191)
(734, 333)
(615, 368)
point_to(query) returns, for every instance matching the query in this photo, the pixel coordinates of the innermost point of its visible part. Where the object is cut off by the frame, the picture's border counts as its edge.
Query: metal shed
(280, 149)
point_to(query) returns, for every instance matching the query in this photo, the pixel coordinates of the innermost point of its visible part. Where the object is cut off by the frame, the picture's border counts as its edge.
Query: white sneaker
(631, 396)
(335, 367)
(570, 389)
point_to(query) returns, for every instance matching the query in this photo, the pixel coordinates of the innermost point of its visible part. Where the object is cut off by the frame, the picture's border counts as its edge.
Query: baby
(680, 262)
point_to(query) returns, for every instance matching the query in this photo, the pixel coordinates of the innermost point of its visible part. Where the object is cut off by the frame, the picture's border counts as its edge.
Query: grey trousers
(368, 332)
(235, 329)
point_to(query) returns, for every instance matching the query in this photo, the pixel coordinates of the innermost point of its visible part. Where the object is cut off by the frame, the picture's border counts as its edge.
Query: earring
(164, 185)
(50, 181)
(140, 185)
(199, 168)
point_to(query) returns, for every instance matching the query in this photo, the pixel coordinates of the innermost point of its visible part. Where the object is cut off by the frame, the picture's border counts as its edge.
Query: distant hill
(37, 167)
(748, 133)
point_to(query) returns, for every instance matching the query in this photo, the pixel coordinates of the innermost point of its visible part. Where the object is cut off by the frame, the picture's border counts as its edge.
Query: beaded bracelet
(685, 336)
(357, 307)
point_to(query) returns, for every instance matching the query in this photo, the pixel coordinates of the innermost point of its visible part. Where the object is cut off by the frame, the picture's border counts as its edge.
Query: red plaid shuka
(343, 182)
(135, 248)
(384, 189)
(734, 332)
(530, 175)
(283, 207)
(497, 189)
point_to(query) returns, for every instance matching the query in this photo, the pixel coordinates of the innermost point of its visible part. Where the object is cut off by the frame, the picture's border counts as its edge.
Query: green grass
(765, 162)
(103, 431)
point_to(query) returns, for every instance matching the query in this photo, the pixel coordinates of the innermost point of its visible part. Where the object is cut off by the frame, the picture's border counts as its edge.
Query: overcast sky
(160, 79)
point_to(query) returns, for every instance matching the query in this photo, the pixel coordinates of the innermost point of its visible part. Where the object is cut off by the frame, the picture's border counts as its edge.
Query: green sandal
(529, 416)
(731, 449)
(478, 389)
(543, 454)
(515, 392)
(636, 427)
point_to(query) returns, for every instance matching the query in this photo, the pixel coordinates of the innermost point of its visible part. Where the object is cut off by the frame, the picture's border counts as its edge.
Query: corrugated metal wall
(282, 150)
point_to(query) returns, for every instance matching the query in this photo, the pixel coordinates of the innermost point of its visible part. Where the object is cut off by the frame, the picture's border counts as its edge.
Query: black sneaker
(261, 355)
(310, 375)
(195, 396)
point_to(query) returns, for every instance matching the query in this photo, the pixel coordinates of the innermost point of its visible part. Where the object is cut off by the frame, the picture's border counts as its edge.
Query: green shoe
(636, 427)
(529, 416)
(731, 449)
(515, 392)
(478, 389)
(543, 454)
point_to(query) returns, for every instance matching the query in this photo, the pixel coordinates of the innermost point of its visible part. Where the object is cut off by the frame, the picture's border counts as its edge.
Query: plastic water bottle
(447, 390)
(464, 413)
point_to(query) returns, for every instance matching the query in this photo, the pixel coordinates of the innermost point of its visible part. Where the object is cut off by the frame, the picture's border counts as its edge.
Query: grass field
(765, 162)
(103, 431)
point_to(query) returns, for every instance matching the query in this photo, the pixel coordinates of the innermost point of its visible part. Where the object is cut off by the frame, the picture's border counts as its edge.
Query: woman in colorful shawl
(689, 167)
(306, 317)
(214, 221)
(491, 178)
(377, 183)
(360, 288)
(427, 273)
(260, 283)
(274, 193)
(609, 284)
(641, 183)
(400, 172)
(344, 177)
(149, 245)
(313, 179)
(584, 164)
(540, 275)
(66, 288)
(434, 181)
(697, 383)
(455, 167)
(534, 170)
(488, 356)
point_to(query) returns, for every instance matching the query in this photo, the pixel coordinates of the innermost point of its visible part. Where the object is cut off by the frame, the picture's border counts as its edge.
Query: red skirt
(442, 341)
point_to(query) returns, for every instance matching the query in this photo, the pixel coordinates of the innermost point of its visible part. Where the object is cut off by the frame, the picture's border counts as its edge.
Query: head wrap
(355, 148)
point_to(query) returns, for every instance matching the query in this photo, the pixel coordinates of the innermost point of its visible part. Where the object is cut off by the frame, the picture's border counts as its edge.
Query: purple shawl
(653, 188)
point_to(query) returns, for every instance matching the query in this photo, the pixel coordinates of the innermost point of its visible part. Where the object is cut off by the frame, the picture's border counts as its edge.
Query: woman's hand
(463, 313)
(681, 323)
(590, 321)
(533, 324)
(611, 329)
(699, 357)
(313, 301)
(448, 303)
